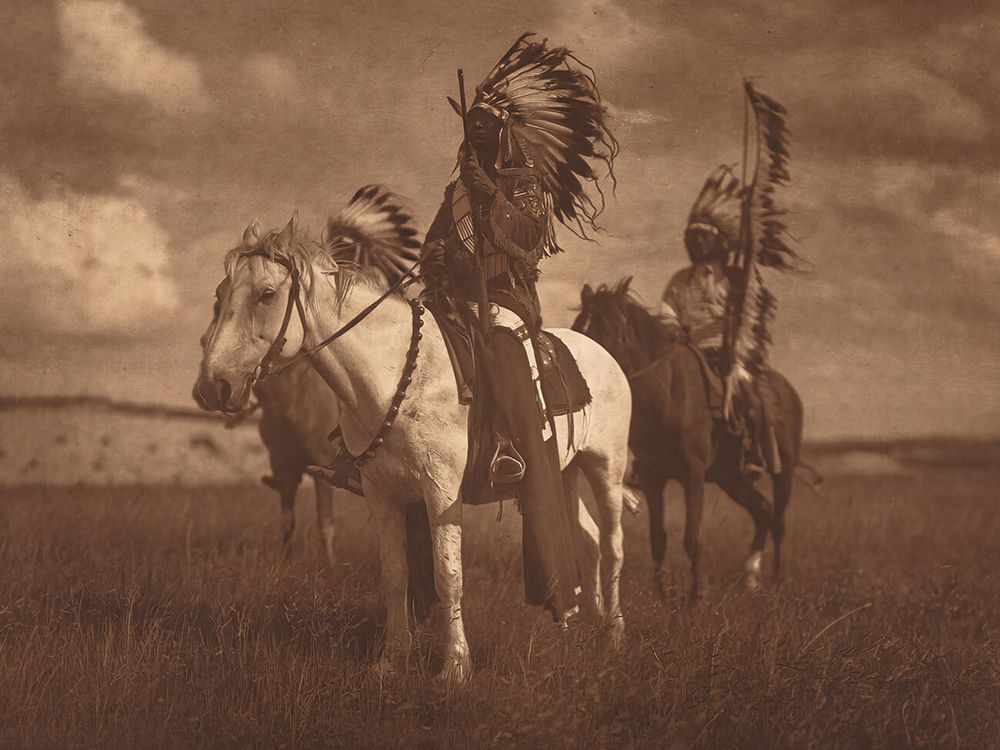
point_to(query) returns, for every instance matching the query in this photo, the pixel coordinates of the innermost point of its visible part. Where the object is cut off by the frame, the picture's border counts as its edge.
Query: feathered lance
(477, 235)
(772, 243)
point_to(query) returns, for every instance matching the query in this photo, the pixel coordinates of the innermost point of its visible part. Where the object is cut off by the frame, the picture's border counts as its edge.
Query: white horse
(297, 409)
(423, 455)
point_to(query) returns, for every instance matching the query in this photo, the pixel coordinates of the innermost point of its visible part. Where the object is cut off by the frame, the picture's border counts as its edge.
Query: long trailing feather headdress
(552, 111)
(373, 230)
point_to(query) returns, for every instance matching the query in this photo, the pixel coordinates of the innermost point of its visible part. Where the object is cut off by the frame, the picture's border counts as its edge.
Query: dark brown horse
(674, 435)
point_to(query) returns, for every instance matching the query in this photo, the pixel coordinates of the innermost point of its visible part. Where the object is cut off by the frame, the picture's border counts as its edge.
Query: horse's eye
(266, 296)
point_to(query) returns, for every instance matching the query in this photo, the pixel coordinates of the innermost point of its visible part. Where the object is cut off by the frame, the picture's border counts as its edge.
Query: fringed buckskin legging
(550, 572)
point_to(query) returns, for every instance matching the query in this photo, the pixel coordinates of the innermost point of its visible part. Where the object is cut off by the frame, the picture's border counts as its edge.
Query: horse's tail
(816, 477)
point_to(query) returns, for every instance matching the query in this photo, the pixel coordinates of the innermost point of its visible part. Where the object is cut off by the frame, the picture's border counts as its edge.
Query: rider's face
(484, 129)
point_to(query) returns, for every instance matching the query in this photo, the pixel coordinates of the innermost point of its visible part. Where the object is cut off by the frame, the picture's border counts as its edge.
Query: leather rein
(265, 368)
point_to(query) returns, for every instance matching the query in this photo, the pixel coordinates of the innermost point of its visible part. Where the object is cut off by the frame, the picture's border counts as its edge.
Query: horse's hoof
(660, 582)
(454, 673)
(383, 669)
(616, 633)
(699, 592)
(752, 571)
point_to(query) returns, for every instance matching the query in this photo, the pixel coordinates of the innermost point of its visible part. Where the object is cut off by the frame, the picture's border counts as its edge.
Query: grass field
(140, 617)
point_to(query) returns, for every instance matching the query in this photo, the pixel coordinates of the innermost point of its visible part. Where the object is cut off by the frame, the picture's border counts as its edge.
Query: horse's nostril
(225, 390)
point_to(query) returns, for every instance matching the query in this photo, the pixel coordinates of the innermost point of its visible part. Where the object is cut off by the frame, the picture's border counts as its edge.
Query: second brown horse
(674, 434)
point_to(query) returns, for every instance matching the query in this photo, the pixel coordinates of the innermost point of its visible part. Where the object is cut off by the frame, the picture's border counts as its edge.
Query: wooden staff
(477, 235)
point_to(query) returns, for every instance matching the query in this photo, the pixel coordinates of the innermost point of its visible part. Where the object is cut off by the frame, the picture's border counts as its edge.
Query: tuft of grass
(154, 616)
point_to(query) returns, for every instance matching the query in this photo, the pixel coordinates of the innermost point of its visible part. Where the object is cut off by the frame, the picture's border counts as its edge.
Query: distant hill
(927, 451)
(97, 441)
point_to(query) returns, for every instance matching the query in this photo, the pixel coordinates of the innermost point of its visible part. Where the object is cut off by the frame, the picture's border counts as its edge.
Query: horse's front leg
(587, 545)
(605, 472)
(694, 499)
(444, 510)
(390, 528)
(324, 519)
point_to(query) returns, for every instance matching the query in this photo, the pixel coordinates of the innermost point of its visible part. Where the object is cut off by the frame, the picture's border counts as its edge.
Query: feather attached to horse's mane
(374, 231)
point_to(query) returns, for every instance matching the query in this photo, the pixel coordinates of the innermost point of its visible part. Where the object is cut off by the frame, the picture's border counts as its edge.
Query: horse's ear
(586, 294)
(252, 233)
(285, 237)
(623, 287)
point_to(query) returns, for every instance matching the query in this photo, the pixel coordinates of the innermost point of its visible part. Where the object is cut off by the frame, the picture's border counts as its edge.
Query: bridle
(266, 367)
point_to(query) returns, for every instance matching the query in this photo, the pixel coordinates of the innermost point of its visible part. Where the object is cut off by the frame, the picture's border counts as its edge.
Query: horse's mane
(308, 255)
(640, 331)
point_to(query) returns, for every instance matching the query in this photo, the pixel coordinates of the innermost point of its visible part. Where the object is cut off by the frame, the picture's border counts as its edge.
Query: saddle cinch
(562, 389)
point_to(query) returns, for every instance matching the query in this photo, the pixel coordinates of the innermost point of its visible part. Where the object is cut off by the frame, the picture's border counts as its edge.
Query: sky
(140, 137)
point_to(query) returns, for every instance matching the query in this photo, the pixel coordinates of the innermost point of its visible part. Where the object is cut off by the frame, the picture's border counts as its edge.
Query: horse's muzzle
(199, 398)
(219, 395)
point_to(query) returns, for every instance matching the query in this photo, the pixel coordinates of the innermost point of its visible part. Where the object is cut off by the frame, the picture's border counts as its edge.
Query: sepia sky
(139, 137)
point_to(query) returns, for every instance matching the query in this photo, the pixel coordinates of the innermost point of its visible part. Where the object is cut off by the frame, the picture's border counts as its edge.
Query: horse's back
(597, 366)
(611, 399)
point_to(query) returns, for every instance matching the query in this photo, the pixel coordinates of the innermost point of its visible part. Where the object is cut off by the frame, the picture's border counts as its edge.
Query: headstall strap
(403, 281)
(264, 369)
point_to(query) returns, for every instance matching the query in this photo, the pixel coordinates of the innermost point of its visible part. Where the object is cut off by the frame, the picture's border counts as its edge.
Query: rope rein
(265, 368)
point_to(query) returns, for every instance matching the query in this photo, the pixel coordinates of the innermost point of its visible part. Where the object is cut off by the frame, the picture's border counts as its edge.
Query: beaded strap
(404, 382)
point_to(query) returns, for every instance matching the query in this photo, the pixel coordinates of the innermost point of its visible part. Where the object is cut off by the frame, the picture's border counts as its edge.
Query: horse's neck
(364, 365)
(651, 340)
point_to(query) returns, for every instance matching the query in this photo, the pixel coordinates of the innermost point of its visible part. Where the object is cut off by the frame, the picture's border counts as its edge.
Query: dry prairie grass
(161, 617)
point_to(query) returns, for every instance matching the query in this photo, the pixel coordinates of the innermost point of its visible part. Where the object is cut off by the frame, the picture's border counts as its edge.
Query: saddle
(766, 408)
(563, 389)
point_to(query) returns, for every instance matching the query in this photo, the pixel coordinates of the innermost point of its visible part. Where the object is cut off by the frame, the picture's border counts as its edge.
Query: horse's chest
(417, 447)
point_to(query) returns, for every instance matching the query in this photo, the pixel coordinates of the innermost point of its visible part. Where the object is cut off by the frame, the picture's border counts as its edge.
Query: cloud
(639, 116)
(881, 101)
(274, 74)
(108, 50)
(81, 265)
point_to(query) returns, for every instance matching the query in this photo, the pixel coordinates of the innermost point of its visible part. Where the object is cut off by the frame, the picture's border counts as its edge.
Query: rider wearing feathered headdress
(696, 299)
(536, 136)
(720, 301)
(536, 126)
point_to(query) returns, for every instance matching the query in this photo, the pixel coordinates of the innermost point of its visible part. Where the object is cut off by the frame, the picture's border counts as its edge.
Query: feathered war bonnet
(713, 229)
(553, 121)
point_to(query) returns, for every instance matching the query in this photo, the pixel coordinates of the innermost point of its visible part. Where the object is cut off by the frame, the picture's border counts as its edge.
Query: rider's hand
(474, 177)
(433, 254)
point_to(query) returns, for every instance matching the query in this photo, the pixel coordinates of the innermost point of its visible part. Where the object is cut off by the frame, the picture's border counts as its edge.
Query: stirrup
(507, 466)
